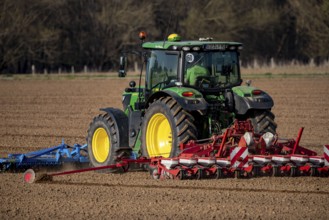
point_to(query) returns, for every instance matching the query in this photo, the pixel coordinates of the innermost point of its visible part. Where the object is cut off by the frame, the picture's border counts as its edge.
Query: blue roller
(54, 156)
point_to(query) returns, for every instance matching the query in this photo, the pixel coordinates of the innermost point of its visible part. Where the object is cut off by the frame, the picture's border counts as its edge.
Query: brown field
(35, 114)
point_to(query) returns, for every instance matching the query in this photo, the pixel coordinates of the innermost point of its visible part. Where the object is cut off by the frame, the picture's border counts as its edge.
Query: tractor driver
(196, 70)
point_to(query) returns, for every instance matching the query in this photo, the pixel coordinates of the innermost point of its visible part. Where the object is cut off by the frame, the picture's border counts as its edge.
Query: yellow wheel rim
(158, 136)
(100, 145)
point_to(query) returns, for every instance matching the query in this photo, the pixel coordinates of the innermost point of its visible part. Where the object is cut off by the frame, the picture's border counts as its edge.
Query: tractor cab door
(162, 69)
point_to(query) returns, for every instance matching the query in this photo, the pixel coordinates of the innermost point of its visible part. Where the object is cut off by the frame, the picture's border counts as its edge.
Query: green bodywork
(244, 91)
(133, 100)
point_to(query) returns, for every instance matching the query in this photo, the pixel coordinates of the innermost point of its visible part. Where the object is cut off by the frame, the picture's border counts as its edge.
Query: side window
(230, 67)
(162, 69)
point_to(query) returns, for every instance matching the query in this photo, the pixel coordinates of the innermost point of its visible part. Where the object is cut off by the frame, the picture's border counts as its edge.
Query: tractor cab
(207, 66)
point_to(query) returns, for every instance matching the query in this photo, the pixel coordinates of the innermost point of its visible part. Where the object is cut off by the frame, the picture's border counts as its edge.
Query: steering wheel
(159, 83)
(165, 82)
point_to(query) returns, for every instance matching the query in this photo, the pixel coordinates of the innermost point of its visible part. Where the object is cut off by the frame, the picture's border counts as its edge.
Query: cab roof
(178, 45)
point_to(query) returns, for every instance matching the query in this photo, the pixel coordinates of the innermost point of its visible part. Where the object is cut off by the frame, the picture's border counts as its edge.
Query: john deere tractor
(192, 90)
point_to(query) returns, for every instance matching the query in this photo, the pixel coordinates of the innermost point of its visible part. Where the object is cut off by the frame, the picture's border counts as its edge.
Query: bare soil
(35, 114)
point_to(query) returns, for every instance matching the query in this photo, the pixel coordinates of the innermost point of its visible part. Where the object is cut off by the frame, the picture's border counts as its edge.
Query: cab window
(211, 69)
(162, 69)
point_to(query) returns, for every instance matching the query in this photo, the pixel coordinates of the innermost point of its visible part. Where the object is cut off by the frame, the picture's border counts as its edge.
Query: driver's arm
(195, 72)
(188, 76)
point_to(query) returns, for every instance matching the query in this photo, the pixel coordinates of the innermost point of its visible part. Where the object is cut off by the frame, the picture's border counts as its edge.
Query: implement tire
(105, 137)
(263, 121)
(165, 126)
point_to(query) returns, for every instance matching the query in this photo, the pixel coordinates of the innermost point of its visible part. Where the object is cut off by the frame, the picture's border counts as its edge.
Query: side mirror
(122, 68)
(132, 84)
(248, 82)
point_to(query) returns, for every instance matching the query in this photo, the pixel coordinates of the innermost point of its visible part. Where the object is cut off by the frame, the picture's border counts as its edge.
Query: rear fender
(120, 121)
(243, 104)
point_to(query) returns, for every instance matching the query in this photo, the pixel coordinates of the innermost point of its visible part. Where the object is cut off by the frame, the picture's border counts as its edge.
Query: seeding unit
(239, 153)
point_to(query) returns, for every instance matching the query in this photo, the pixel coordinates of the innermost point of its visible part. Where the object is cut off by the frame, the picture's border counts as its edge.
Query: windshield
(211, 69)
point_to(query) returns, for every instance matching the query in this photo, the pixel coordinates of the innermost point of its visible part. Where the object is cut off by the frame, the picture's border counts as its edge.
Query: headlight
(186, 48)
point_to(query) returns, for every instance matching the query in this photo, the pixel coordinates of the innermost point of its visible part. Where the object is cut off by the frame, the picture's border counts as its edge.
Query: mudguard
(120, 121)
(243, 104)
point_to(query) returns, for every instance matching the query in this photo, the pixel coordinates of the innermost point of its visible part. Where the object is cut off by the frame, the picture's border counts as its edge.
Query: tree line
(52, 35)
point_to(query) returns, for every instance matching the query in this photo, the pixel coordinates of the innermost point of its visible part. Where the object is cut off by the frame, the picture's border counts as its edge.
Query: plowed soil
(35, 114)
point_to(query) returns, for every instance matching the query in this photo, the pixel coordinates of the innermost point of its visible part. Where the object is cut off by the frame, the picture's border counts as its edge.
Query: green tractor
(192, 90)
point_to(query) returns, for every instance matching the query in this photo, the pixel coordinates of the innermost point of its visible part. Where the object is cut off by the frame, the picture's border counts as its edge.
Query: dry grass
(293, 67)
(255, 68)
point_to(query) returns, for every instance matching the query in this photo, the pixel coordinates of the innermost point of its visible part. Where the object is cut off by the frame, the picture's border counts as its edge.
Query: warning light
(174, 37)
(142, 35)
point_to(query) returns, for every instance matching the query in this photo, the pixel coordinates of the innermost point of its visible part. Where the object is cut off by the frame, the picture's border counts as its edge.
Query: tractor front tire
(103, 141)
(165, 126)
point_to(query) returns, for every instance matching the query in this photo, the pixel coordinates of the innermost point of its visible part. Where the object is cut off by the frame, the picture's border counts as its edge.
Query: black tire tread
(182, 120)
(115, 132)
(263, 121)
(106, 119)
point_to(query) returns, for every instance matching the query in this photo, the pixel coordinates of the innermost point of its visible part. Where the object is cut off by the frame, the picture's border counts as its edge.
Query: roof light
(186, 48)
(240, 47)
(142, 35)
(196, 48)
(174, 37)
(232, 47)
(188, 94)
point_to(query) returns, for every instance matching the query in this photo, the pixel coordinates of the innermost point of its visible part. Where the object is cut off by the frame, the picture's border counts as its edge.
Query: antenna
(164, 39)
(142, 36)
(140, 81)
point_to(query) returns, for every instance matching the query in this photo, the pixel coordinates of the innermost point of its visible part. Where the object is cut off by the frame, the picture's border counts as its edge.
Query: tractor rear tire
(104, 139)
(263, 121)
(165, 126)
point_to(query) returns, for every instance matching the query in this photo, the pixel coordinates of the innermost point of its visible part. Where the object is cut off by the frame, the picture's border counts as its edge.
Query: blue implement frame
(53, 156)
